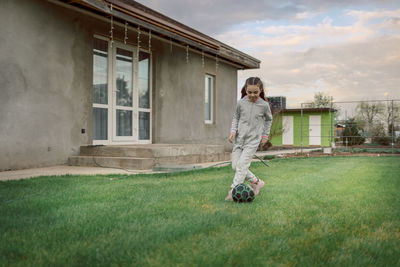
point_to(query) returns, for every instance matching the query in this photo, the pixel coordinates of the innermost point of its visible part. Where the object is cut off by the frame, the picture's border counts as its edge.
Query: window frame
(210, 92)
(111, 121)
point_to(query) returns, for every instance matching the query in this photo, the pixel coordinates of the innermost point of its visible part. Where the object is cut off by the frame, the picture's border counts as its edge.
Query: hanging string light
(202, 58)
(150, 40)
(138, 42)
(187, 54)
(126, 32)
(112, 26)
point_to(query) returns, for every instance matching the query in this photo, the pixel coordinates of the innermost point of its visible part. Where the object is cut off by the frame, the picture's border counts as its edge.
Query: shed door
(287, 126)
(315, 130)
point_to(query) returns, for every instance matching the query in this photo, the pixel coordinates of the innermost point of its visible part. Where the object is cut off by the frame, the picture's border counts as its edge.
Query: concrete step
(150, 151)
(192, 159)
(112, 162)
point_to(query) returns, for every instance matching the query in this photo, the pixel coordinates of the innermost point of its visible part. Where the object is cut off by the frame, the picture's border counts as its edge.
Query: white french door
(121, 94)
(124, 110)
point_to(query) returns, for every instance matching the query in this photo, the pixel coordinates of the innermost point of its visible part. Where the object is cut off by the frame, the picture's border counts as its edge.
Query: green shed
(307, 127)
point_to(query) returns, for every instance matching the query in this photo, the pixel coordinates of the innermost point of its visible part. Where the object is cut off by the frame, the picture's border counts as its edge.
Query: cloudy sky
(347, 49)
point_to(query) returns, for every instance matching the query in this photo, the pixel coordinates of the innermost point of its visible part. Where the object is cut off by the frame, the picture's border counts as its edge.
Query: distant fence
(353, 126)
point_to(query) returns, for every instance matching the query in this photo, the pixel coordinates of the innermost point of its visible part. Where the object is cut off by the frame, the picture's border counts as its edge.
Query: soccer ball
(243, 193)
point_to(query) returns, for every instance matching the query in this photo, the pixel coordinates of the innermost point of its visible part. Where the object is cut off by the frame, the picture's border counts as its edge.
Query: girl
(251, 124)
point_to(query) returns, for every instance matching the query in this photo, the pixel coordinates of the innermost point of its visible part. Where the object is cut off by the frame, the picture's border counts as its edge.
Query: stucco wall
(178, 89)
(43, 84)
(46, 67)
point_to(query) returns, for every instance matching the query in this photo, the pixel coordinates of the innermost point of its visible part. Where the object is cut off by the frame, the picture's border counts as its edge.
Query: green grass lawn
(328, 211)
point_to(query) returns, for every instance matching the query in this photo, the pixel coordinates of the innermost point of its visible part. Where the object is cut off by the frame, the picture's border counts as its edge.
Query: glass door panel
(100, 123)
(124, 122)
(144, 125)
(124, 101)
(123, 72)
(144, 121)
(100, 90)
(144, 80)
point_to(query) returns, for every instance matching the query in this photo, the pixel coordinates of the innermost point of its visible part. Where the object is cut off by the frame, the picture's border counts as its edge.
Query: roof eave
(156, 22)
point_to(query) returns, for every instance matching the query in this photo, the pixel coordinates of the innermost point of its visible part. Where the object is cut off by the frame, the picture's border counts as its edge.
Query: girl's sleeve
(267, 121)
(235, 120)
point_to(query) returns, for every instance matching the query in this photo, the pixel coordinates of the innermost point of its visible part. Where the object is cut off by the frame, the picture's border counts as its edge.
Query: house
(277, 103)
(307, 127)
(108, 72)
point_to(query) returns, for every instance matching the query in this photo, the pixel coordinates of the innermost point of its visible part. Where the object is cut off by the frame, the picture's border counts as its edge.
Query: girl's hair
(254, 81)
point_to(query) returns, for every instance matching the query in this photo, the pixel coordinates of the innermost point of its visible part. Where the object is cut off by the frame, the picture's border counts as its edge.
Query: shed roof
(308, 110)
(165, 27)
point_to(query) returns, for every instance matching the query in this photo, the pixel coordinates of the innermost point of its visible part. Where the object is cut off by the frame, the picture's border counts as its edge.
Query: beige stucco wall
(46, 87)
(179, 97)
(44, 75)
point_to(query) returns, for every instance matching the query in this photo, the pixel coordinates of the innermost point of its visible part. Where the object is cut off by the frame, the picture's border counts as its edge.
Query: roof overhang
(167, 28)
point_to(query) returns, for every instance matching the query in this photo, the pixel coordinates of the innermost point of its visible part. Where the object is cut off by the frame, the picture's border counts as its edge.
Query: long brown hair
(254, 81)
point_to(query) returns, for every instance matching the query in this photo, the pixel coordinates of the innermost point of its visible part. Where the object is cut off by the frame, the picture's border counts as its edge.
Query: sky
(346, 49)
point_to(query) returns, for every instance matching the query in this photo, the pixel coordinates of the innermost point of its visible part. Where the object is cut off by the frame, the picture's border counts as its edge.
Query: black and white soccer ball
(243, 193)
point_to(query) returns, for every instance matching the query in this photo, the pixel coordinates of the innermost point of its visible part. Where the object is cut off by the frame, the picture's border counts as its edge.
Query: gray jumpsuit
(251, 121)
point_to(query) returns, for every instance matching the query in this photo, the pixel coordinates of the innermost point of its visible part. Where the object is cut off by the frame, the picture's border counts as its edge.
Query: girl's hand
(231, 137)
(264, 140)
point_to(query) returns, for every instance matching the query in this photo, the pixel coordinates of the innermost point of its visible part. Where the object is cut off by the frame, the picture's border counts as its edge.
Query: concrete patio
(90, 170)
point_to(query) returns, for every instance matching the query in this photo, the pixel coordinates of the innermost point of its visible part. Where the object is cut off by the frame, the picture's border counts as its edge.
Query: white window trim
(211, 97)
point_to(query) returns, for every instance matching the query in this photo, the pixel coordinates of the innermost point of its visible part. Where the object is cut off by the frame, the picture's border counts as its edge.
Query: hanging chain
(150, 40)
(202, 58)
(216, 62)
(126, 32)
(187, 54)
(138, 42)
(138, 36)
(170, 45)
(111, 27)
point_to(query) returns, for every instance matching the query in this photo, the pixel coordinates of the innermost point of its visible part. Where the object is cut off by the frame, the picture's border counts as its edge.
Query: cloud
(351, 62)
(294, 37)
(352, 71)
(349, 49)
(215, 17)
(212, 17)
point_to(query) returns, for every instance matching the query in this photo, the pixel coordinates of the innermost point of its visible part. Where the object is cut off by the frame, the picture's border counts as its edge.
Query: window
(209, 99)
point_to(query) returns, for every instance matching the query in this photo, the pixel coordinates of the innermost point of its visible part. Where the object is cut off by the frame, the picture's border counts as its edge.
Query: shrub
(351, 133)
(380, 136)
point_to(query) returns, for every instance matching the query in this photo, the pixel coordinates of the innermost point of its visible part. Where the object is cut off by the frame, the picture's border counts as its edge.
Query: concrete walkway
(79, 170)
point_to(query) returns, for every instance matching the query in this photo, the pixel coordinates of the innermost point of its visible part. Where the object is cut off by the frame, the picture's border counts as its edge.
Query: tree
(368, 116)
(370, 112)
(391, 116)
(379, 135)
(321, 101)
(351, 134)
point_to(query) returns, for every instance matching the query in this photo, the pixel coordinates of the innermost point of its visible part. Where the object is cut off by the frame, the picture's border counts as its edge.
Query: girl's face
(253, 92)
